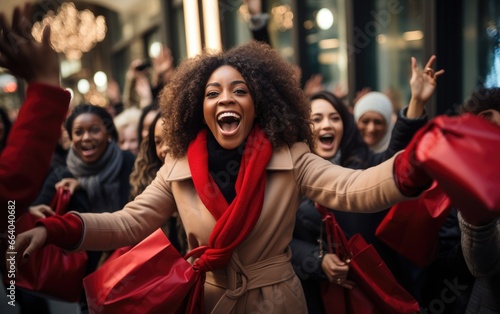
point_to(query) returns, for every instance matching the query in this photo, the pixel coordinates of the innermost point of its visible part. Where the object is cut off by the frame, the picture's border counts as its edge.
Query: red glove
(63, 231)
(411, 179)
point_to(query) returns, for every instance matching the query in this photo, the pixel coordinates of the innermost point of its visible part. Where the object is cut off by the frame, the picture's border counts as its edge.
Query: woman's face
(128, 139)
(160, 143)
(89, 137)
(373, 127)
(228, 107)
(328, 128)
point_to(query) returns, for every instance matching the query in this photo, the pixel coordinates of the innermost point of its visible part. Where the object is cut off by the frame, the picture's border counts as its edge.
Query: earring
(109, 139)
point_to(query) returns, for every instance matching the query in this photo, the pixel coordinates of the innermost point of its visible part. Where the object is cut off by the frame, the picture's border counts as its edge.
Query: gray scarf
(101, 179)
(336, 158)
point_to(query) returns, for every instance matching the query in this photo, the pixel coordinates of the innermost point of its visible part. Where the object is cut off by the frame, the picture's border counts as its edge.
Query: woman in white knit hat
(373, 116)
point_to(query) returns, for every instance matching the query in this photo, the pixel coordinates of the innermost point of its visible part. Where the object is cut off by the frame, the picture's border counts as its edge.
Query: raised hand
(314, 85)
(22, 55)
(163, 66)
(422, 84)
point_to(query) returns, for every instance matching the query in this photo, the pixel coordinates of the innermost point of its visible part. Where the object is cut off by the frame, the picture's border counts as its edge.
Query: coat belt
(241, 278)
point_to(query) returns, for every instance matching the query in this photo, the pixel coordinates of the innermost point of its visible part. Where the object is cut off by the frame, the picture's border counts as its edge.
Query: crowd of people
(228, 150)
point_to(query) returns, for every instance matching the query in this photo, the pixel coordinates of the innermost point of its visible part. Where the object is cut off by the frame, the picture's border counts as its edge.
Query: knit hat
(381, 104)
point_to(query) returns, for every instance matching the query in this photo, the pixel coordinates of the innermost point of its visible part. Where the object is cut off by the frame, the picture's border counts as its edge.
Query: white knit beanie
(379, 103)
(374, 101)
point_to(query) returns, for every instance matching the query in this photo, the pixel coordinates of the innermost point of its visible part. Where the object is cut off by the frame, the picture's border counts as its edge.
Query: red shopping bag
(50, 270)
(461, 154)
(340, 300)
(152, 277)
(369, 272)
(411, 228)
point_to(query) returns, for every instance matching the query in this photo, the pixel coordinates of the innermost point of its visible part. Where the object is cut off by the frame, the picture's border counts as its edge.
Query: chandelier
(73, 32)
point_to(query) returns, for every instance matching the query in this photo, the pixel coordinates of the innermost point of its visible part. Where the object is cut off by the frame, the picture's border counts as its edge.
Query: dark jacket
(79, 201)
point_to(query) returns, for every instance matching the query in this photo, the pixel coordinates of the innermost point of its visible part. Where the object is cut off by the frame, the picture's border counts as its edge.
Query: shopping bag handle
(334, 234)
(196, 252)
(61, 200)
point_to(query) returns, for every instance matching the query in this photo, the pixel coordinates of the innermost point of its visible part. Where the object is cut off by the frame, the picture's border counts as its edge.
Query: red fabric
(235, 220)
(25, 161)
(151, 277)
(411, 178)
(64, 231)
(340, 300)
(461, 154)
(412, 227)
(368, 271)
(50, 270)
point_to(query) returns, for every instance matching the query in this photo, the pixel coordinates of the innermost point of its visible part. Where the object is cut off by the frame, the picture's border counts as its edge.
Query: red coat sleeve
(26, 159)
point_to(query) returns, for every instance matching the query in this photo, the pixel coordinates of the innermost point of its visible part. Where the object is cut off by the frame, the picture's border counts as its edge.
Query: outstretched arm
(25, 161)
(103, 231)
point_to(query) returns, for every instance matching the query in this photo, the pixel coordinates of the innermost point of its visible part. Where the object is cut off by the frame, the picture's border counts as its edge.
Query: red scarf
(235, 220)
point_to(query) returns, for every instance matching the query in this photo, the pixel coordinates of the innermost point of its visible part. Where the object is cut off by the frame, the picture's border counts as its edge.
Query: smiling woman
(373, 114)
(96, 170)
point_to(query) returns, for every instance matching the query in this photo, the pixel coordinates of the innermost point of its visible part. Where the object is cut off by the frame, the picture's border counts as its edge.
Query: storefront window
(399, 32)
(324, 24)
(481, 46)
(490, 30)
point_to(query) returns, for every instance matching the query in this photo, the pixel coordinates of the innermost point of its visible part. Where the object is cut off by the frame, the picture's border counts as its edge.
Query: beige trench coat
(260, 278)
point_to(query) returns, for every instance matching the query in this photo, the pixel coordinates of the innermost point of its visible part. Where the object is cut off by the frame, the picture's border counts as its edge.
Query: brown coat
(263, 258)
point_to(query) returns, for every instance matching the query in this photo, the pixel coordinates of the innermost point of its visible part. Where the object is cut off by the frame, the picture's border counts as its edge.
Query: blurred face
(160, 145)
(228, 107)
(89, 137)
(373, 127)
(128, 139)
(328, 128)
(148, 119)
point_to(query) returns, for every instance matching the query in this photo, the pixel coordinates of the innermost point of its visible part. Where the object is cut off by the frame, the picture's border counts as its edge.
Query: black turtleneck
(224, 165)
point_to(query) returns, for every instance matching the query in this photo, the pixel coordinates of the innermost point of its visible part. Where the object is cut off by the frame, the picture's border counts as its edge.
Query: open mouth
(88, 150)
(228, 121)
(327, 139)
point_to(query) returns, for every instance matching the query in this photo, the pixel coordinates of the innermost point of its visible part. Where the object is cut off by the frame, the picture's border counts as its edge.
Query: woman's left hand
(423, 82)
(71, 184)
(163, 66)
(336, 270)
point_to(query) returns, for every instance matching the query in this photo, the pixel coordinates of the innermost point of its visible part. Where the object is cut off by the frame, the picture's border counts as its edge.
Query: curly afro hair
(481, 99)
(281, 107)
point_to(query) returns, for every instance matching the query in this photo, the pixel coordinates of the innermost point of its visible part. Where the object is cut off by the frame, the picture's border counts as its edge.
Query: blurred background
(353, 44)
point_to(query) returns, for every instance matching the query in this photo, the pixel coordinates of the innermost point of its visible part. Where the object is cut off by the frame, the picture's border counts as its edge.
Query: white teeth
(326, 136)
(228, 114)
